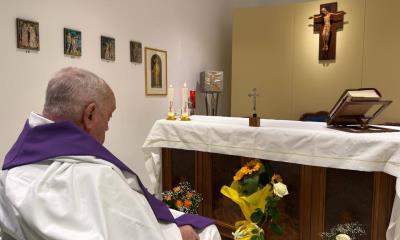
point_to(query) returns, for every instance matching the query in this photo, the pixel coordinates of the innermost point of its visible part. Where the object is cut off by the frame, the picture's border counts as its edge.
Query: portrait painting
(136, 52)
(72, 42)
(107, 48)
(155, 71)
(28, 35)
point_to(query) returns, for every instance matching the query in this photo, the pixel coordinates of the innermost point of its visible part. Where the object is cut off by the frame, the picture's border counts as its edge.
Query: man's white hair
(71, 90)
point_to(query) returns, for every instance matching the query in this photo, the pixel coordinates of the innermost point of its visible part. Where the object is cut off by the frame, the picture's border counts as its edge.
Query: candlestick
(171, 113)
(185, 98)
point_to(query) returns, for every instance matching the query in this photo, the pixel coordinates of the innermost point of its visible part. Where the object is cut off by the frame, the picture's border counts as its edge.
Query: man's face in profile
(102, 118)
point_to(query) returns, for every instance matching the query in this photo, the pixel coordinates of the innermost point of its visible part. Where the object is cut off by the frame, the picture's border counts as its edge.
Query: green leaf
(257, 216)
(276, 228)
(250, 184)
(274, 212)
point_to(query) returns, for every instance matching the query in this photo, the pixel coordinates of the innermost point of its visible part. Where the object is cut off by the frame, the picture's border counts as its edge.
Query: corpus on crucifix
(326, 24)
(254, 120)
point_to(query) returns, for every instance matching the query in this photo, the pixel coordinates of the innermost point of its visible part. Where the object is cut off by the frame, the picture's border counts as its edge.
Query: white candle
(170, 98)
(171, 93)
(184, 98)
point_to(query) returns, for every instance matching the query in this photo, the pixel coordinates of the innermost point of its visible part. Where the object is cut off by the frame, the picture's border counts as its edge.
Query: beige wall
(275, 50)
(193, 32)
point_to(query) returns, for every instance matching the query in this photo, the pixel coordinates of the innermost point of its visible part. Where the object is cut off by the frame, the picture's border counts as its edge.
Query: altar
(333, 177)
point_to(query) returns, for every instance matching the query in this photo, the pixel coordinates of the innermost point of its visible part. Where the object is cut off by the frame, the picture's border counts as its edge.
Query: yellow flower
(189, 195)
(167, 197)
(177, 189)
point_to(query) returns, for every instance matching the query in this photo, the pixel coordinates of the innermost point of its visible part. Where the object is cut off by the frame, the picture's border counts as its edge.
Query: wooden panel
(317, 202)
(384, 192)
(305, 202)
(349, 198)
(223, 209)
(289, 207)
(166, 169)
(321, 195)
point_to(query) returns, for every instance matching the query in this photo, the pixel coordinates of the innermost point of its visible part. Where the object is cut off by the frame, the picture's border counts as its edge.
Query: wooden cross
(326, 24)
(253, 96)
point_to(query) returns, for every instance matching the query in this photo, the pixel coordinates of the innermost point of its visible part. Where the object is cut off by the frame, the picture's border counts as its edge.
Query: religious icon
(72, 42)
(107, 48)
(326, 24)
(156, 67)
(136, 52)
(155, 71)
(211, 81)
(28, 35)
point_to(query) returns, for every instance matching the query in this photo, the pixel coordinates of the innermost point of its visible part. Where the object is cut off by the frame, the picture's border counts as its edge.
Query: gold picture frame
(156, 66)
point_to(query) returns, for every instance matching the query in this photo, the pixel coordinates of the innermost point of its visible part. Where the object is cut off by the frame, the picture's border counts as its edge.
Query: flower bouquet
(182, 198)
(257, 191)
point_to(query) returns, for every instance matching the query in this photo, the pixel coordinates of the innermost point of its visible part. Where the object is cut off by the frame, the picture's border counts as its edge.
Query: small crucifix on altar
(326, 24)
(254, 120)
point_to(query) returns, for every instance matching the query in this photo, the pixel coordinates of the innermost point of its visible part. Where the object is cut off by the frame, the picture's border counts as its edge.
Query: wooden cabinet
(319, 197)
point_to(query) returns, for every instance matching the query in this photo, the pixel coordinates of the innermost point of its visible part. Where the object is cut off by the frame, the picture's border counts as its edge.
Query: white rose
(342, 237)
(280, 189)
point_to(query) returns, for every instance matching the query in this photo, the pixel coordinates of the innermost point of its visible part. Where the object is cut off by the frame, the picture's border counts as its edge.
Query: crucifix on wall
(326, 23)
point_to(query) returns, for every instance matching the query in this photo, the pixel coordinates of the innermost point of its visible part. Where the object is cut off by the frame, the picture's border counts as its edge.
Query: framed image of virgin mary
(155, 71)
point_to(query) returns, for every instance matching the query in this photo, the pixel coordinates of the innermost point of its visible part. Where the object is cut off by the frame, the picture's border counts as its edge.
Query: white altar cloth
(307, 143)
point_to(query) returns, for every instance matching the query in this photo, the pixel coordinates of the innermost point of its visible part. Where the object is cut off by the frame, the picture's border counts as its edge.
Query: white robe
(79, 197)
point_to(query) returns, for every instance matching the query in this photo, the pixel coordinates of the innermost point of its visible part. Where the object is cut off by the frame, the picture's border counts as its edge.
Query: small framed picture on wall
(28, 35)
(155, 71)
(72, 42)
(107, 48)
(136, 52)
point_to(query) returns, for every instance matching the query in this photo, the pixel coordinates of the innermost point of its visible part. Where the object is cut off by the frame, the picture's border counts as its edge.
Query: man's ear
(89, 116)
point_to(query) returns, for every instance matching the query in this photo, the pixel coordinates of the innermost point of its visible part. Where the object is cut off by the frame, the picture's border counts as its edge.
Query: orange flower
(276, 178)
(188, 203)
(257, 167)
(244, 170)
(248, 169)
(238, 176)
(179, 203)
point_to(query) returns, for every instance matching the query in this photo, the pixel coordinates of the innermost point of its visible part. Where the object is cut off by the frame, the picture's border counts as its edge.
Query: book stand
(355, 116)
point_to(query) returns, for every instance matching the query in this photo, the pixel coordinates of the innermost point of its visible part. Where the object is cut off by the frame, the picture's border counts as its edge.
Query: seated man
(59, 182)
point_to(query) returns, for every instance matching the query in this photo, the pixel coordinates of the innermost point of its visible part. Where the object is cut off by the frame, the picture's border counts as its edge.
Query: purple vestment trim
(66, 139)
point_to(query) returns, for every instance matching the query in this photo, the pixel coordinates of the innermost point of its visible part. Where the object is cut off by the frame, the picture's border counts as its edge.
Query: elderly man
(59, 182)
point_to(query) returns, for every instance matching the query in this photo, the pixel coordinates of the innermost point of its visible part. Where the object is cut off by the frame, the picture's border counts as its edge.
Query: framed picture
(136, 52)
(72, 42)
(107, 48)
(155, 71)
(28, 35)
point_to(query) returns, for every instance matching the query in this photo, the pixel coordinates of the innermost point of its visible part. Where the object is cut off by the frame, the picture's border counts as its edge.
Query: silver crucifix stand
(254, 120)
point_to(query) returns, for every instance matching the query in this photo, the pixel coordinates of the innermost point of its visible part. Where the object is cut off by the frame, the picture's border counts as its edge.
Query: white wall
(196, 35)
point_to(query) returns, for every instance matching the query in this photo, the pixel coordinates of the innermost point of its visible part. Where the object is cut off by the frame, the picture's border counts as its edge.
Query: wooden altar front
(319, 198)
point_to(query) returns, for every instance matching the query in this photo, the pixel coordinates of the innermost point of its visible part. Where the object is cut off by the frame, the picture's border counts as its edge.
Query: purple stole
(66, 139)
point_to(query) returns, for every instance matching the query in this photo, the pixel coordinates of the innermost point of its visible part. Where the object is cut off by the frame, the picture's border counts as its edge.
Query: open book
(362, 94)
(357, 108)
